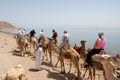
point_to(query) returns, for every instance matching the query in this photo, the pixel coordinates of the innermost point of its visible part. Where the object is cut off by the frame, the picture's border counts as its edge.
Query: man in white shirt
(19, 37)
(42, 34)
(65, 40)
(42, 37)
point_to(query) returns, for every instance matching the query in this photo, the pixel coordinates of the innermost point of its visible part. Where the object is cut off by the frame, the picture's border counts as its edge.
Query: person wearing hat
(98, 46)
(65, 40)
(38, 57)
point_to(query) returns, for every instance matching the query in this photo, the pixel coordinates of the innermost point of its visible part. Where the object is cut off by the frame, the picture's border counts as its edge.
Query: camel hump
(72, 51)
(98, 57)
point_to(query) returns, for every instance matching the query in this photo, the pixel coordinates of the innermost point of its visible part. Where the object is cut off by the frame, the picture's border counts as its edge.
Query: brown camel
(43, 41)
(111, 66)
(95, 65)
(24, 46)
(33, 45)
(74, 58)
(51, 46)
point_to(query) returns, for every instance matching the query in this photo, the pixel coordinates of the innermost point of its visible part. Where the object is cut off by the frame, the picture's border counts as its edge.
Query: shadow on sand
(17, 52)
(58, 76)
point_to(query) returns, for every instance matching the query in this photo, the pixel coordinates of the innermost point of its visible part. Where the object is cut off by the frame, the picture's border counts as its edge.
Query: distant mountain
(6, 25)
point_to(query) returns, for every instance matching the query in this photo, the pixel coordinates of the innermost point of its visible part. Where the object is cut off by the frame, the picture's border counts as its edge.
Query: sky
(82, 13)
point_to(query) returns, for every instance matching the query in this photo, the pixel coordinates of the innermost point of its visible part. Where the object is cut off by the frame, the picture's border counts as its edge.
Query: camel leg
(76, 63)
(70, 66)
(90, 72)
(85, 72)
(34, 46)
(50, 57)
(43, 57)
(30, 48)
(94, 73)
(62, 66)
(46, 54)
(104, 75)
(57, 61)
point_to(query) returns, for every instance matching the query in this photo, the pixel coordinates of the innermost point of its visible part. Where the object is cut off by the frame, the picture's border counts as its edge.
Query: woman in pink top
(98, 46)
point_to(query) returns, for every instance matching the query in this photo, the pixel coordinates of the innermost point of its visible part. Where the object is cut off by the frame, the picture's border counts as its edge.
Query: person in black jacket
(32, 34)
(54, 35)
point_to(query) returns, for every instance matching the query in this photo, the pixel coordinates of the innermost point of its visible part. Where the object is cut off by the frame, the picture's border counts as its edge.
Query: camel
(33, 44)
(43, 41)
(111, 66)
(17, 41)
(25, 46)
(95, 65)
(71, 54)
(15, 73)
(83, 51)
(51, 46)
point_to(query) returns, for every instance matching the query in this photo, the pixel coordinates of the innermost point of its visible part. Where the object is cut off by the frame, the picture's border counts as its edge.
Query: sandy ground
(9, 56)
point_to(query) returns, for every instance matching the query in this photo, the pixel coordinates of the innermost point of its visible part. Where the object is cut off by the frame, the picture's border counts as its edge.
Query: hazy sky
(102, 13)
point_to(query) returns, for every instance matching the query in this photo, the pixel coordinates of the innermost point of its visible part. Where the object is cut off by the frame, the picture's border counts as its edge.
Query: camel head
(83, 50)
(82, 42)
(51, 40)
(118, 55)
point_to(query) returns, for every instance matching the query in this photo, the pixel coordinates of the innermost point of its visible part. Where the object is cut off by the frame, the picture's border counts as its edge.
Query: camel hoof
(46, 59)
(69, 72)
(77, 78)
(56, 65)
(62, 72)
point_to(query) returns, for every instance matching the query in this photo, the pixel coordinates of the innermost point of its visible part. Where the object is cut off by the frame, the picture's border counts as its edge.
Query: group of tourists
(98, 45)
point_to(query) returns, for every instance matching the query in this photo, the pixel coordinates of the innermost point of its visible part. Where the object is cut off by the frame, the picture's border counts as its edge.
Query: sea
(112, 36)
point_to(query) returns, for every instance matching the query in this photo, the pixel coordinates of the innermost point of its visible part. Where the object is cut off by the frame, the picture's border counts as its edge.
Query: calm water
(112, 36)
